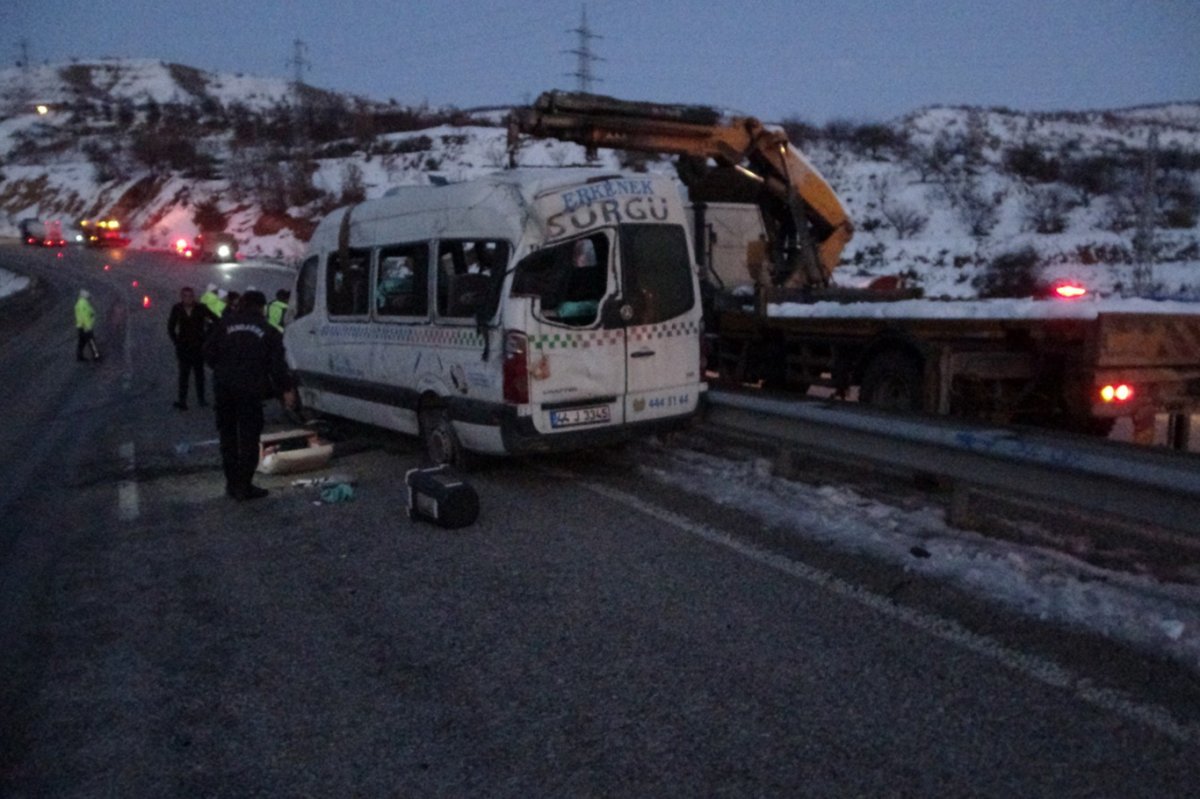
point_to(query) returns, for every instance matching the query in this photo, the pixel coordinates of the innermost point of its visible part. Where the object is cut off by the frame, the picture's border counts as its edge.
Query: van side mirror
(613, 313)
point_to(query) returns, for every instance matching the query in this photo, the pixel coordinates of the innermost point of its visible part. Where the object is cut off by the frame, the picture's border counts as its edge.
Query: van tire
(440, 441)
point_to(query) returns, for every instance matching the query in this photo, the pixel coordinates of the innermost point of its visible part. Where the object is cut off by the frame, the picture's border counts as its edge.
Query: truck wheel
(893, 381)
(441, 442)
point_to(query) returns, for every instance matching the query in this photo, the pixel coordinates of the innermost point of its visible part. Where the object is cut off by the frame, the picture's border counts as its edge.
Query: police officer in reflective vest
(277, 309)
(211, 300)
(85, 324)
(246, 355)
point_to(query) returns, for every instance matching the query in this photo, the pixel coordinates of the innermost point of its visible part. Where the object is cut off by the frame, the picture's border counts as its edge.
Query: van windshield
(656, 272)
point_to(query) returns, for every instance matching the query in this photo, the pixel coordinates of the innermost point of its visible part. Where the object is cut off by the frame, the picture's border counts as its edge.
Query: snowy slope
(134, 80)
(951, 172)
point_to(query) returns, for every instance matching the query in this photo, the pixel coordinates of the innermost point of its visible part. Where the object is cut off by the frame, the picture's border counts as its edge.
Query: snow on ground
(10, 283)
(1049, 585)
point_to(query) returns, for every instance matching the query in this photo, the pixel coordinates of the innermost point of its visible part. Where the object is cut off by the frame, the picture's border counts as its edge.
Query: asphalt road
(589, 636)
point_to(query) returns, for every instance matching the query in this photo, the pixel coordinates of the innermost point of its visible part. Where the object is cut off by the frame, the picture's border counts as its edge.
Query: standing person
(246, 355)
(230, 305)
(85, 323)
(211, 300)
(188, 326)
(278, 308)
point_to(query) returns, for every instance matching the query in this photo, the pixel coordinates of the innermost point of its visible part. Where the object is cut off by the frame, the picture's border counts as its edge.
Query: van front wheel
(441, 442)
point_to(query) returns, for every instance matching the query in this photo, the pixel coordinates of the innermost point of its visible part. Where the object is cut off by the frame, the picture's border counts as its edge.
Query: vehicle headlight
(223, 251)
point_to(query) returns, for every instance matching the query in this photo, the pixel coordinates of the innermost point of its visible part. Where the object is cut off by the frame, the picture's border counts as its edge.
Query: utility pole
(583, 72)
(1143, 239)
(300, 64)
(24, 94)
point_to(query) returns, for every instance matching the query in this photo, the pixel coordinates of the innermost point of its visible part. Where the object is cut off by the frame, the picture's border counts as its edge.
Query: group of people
(192, 319)
(240, 337)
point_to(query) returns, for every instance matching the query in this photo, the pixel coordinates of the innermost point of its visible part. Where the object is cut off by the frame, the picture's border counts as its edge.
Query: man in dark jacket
(246, 355)
(188, 326)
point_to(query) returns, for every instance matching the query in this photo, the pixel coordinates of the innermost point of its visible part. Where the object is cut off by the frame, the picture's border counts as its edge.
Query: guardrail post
(1179, 431)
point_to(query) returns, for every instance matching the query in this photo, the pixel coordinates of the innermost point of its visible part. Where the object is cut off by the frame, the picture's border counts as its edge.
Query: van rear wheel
(440, 441)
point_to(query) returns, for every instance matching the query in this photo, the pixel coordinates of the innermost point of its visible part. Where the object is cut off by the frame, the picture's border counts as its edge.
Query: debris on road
(436, 494)
(292, 451)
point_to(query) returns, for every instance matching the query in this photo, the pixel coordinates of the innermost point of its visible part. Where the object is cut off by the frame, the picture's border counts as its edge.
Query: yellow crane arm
(743, 143)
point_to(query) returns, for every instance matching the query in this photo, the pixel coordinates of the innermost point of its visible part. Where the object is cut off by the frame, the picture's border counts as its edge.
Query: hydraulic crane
(807, 226)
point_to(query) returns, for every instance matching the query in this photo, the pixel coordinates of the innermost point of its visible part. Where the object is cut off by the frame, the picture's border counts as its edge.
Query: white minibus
(527, 311)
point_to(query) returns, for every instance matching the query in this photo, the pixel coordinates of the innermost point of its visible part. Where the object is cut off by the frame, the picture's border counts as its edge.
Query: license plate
(595, 414)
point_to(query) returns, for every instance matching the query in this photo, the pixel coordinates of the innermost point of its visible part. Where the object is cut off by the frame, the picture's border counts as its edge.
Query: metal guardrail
(1139, 484)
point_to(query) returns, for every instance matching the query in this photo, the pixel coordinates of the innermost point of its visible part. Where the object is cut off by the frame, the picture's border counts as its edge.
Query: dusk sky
(861, 60)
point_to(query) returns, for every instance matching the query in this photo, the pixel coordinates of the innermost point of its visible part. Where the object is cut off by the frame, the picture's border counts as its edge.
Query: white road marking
(128, 500)
(127, 373)
(1032, 666)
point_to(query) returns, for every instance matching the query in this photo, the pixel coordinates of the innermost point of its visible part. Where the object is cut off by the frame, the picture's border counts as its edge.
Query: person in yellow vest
(278, 308)
(212, 300)
(85, 323)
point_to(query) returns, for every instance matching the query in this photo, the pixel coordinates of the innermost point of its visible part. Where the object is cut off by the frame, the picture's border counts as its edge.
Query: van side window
(571, 279)
(347, 284)
(402, 285)
(469, 275)
(306, 287)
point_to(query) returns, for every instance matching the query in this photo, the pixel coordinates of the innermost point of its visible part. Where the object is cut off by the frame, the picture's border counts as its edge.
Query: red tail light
(1116, 393)
(145, 300)
(1069, 291)
(516, 367)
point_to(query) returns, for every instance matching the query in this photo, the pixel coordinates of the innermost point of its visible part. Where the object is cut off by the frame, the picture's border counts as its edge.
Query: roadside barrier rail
(1154, 486)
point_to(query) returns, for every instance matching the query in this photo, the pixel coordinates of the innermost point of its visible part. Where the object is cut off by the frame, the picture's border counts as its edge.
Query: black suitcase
(436, 494)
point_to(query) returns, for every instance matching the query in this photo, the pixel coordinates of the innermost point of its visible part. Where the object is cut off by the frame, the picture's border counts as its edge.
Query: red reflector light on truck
(516, 367)
(1121, 392)
(1069, 291)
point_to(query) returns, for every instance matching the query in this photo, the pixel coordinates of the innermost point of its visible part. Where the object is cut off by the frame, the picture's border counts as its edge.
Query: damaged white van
(523, 312)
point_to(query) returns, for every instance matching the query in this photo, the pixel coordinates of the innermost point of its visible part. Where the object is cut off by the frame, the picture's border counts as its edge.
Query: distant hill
(938, 195)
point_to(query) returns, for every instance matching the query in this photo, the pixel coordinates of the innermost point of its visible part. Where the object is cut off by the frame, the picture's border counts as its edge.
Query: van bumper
(521, 438)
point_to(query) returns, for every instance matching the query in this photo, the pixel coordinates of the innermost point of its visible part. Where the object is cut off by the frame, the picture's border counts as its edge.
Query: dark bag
(436, 494)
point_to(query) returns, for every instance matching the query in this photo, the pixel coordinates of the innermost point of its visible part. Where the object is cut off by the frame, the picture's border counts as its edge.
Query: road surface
(591, 635)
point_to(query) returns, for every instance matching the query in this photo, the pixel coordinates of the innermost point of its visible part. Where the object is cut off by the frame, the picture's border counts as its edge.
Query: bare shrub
(354, 189)
(208, 216)
(900, 216)
(1047, 209)
(1010, 274)
(978, 210)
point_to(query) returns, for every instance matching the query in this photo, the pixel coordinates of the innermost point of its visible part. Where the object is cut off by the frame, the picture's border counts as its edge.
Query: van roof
(493, 206)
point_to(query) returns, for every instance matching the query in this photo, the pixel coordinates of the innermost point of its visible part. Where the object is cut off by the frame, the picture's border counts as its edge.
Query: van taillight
(516, 367)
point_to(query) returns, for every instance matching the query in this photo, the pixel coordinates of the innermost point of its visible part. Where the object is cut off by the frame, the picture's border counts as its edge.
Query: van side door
(661, 310)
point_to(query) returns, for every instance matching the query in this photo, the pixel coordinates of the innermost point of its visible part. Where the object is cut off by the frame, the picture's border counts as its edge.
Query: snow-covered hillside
(937, 195)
